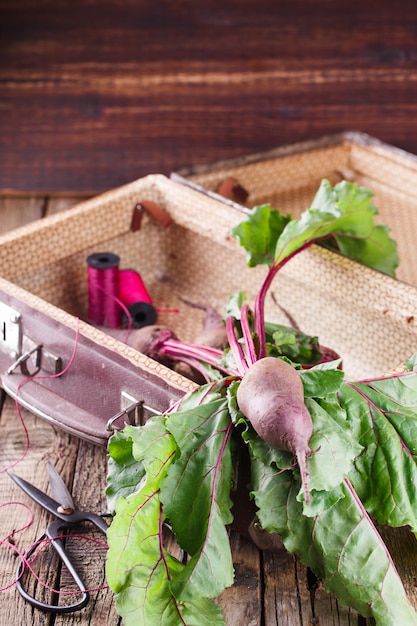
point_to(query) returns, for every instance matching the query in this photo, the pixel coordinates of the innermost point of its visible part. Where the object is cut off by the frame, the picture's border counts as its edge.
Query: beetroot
(149, 339)
(271, 396)
(214, 333)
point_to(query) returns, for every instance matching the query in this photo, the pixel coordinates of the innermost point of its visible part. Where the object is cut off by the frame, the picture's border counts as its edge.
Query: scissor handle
(77, 517)
(52, 533)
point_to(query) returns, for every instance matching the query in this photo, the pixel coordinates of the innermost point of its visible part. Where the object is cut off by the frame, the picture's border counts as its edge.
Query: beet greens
(179, 465)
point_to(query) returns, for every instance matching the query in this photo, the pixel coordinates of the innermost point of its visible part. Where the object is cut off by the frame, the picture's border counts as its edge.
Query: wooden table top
(93, 96)
(96, 94)
(271, 587)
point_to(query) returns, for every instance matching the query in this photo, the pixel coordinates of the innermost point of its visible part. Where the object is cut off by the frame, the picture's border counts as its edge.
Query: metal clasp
(131, 412)
(23, 359)
(40, 357)
(136, 411)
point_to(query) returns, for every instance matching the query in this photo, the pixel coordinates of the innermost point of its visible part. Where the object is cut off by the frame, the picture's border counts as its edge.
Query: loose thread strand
(27, 380)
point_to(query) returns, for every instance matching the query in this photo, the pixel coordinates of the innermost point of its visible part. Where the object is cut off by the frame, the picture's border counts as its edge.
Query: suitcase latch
(136, 411)
(35, 357)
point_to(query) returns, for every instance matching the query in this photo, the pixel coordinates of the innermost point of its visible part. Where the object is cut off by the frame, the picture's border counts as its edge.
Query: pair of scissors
(61, 505)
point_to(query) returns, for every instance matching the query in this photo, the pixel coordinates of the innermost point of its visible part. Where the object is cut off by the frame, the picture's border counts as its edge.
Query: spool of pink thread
(103, 289)
(134, 295)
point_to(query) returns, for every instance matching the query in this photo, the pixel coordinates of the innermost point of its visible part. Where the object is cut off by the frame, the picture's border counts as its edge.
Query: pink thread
(18, 530)
(103, 289)
(167, 310)
(5, 541)
(42, 544)
(132, 288)
(134, 295)
(28, 379)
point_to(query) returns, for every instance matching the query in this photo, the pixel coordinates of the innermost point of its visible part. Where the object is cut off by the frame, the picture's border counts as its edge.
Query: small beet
(213, 338)
(148, 338)
(271, 396)
(214, 333)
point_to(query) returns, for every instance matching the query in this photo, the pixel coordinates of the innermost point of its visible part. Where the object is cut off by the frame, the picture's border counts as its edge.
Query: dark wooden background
(96, 93)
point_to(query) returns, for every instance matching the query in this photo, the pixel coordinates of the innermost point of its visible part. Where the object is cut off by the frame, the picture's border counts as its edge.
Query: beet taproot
(271, 396)
(213, 334)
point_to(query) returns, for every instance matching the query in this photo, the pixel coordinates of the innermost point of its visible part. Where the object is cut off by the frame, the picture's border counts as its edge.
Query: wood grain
(44, 445)
(96, 94)
(15, 212)
(242, 603)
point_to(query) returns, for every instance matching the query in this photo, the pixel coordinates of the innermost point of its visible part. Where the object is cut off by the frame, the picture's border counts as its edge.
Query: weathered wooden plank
(16, 211)
(83, 467)
(155, 87)
(402, 545)
(44, 444)
(89, 493)
(197, 131)
(55, 204)
(282, 590)
(293, 597)
(242, 603)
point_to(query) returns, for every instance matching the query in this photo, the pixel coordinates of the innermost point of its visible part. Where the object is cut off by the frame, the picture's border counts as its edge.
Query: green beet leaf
(378, 250)
(203, 439)
(342, 217)
(279, 510)
(259, 233)
(196, 497)
(139, 569)
(322, 381)
(334, 535)
(383, 414)
(185, 476)
(124, 472)
(334, 448)
(345, 213)
(340, 544)
(186, 458)
(291, 343)
(411, 362)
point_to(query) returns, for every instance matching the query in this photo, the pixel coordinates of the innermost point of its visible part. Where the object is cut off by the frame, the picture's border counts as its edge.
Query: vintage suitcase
(178, 238)
(180, 251)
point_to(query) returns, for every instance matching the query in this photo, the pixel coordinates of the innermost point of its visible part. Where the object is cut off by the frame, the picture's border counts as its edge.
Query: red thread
(26, 380)
(132, 288)
(103, 289)
(42, 544)
(5, 541)
(134, 295)
(168, 310)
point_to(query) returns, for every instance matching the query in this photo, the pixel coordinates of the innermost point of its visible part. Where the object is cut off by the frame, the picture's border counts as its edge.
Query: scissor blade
(59, 490)
(36, 494)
